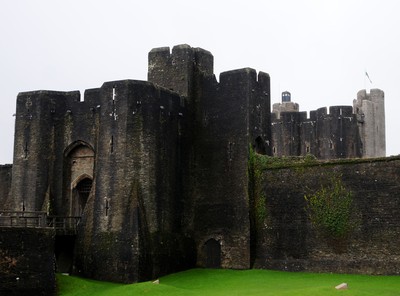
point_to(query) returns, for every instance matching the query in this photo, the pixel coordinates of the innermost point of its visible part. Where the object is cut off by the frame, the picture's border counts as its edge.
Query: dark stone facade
(288, 241)
(158, 171)
(5, 182)
(142, 163)
(27, 261)
(326, 136)
(344, 132)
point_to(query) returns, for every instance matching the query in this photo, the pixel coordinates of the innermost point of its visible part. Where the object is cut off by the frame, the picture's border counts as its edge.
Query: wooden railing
(62, 224)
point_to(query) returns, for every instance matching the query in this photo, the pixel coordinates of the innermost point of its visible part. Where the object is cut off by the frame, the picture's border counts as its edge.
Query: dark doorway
(64, 252)
(81, 195)
(213, 254)
(260, 147)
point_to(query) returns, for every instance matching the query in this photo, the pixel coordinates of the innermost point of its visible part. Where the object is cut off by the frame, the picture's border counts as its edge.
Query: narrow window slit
(112, 144)
(26, 150)
(107, 207)
(230, 150)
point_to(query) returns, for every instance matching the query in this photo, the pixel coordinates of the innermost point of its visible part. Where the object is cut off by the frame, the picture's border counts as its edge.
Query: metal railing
(62, 224)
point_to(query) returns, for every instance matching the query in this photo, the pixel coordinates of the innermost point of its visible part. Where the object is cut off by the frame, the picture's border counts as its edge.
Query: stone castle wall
(158, 170)
(142, 164)
(344, 132)
(134, 205)
(47, 123)
(27, 265)
(5, 182)
(326, 136)
(288, 241)
(215, 145)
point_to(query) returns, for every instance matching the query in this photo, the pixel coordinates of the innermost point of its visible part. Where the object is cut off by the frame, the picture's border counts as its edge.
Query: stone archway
(79, 169)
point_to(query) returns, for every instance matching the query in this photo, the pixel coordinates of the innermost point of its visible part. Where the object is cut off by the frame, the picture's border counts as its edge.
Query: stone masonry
(157, 171)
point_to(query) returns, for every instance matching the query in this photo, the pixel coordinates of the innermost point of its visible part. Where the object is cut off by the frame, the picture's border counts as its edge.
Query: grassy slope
(229, 282)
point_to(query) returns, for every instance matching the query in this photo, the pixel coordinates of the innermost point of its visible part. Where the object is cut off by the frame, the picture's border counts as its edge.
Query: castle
(346, 132)
(157, 170)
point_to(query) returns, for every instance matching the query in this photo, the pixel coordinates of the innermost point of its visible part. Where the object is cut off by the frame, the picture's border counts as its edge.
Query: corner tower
(370, 111)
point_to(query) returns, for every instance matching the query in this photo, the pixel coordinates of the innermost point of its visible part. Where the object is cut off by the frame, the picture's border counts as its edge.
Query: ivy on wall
(258, 211)
(330, 208)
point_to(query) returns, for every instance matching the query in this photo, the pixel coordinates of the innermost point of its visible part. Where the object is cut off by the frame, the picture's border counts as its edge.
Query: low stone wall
(286, 239)
(27, 265)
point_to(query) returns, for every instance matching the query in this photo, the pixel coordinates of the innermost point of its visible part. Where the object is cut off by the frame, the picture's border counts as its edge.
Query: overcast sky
(317, 50)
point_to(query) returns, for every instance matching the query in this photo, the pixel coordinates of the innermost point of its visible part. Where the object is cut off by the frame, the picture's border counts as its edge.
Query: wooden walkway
(66, 225)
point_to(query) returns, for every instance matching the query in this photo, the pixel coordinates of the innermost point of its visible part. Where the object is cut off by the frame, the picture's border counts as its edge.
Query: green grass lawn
(234, 282)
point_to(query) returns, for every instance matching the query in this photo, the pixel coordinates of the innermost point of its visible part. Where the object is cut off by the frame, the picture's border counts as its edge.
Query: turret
(370, 111)
(286, 106)
(286, 97)
(175, 70)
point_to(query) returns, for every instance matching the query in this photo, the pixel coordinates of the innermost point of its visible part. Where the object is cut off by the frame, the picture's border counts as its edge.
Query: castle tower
(220, 122)
(36, 118)
(370, 111)
(286, 106)
(337, 133)
(174, 70)
(286, 123)
(325, 135)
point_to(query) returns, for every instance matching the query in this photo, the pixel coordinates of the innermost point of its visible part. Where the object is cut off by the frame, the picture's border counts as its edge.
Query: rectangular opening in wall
(113, 93)
(112, 144)
(230, 151)
(26, 150)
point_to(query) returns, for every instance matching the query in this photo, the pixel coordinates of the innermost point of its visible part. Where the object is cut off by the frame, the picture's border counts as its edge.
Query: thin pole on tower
(366, 76)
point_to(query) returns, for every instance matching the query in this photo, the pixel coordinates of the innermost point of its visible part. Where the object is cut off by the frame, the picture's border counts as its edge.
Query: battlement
(343, 132)
(176, 70)
(151, 165)
(180, 54)
(335, 112)
(43, 95)
(35, 104)
(375, 95)
(244, 75)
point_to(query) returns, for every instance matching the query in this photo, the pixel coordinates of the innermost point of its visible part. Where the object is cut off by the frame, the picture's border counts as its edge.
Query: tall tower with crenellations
(370, 111)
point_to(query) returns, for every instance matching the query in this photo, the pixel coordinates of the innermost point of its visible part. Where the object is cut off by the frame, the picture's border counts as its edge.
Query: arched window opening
(78, 177)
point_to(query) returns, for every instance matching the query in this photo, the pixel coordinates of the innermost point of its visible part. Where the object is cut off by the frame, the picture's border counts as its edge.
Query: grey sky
(317, 50)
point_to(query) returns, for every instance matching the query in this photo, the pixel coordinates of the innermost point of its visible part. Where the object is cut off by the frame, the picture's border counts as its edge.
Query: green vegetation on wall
(329, 209)
(258, 211)
(256, 166)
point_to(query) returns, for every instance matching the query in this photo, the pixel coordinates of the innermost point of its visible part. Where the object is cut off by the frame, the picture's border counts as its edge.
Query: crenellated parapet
(175, 70)
(157, 171)
(326, 135)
